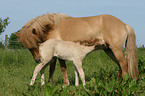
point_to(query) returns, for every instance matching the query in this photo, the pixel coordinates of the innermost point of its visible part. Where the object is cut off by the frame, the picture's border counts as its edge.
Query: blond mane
(41, 25)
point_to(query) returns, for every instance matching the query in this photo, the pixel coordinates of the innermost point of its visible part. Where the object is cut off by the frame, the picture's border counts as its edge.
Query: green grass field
(17, 66)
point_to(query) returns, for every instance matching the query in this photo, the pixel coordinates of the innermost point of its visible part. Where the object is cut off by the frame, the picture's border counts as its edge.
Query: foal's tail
(131, 54)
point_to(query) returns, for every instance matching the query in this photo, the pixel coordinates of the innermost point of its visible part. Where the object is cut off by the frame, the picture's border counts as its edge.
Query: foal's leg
(37, 69)
(76, 77)
(42, 74)
(42, 77)
(63, 69)
(78, 65)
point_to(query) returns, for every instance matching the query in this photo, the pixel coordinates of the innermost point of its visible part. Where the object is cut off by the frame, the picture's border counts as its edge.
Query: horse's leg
(122, 61)
(51, 69)
(118, 53)
(78, 65)
(109, 52)
(37, 69)
(63, 69)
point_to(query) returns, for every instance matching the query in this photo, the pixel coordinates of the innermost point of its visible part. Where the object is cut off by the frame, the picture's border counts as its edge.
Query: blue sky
(131, 12)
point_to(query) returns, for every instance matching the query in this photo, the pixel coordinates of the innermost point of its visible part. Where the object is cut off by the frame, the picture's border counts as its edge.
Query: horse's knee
(124, 68)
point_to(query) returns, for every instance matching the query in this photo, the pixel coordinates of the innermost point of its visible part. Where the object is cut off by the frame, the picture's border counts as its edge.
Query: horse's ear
(48, 27)
(34, 31)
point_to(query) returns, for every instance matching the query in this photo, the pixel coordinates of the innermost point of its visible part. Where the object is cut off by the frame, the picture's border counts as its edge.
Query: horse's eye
(34, 31)
(44, 31)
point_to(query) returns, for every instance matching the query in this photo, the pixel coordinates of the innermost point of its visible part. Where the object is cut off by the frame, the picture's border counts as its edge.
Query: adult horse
(85, 30)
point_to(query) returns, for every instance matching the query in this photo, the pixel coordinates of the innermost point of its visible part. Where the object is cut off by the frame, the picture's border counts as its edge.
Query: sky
(131, 12)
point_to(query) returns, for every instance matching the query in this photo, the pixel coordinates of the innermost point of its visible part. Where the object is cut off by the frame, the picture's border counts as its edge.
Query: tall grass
(17, 66)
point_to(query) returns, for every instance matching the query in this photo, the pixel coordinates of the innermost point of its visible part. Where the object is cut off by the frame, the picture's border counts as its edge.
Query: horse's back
(106, 27)
(80, 28)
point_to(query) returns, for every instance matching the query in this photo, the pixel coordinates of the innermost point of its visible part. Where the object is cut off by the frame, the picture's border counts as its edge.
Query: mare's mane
(36, 30)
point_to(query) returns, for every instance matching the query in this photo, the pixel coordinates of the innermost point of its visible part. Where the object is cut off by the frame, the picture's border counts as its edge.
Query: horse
(112, 30)
(65, 50)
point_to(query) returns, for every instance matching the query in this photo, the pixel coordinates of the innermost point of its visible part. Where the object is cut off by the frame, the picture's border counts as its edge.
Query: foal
(64, 50)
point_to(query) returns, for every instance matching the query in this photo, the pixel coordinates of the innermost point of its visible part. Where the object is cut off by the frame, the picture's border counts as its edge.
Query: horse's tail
(131, 53)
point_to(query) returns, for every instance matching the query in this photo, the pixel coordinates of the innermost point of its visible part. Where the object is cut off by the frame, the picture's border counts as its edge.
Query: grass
(17, 66)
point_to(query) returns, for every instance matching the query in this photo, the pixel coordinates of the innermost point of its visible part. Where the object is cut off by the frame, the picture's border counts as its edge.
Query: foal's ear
(34, 31)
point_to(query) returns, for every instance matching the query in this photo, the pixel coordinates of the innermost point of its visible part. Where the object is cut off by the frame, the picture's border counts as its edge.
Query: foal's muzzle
(37, 60)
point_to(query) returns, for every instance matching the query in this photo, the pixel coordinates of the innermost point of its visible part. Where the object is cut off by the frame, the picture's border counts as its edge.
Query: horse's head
(30, 40)
(38, 30)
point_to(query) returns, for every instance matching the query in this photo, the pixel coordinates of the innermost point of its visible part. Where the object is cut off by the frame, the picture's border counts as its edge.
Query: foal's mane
(36, 30)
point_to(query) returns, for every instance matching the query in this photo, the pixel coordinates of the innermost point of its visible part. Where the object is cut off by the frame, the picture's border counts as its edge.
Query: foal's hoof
(65, 85)
(31, 84)
(42, 84)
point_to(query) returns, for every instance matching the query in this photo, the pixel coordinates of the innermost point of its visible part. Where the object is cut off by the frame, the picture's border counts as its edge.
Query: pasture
(17, 66)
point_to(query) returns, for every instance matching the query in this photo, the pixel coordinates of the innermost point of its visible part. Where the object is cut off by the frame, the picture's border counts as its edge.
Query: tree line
(12, 41)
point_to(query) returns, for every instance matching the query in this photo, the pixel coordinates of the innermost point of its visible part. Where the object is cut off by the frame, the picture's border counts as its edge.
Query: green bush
(1, 45)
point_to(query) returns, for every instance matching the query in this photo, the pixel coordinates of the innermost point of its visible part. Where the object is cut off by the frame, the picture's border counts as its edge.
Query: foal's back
(63, 49)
